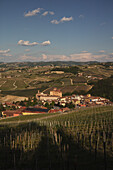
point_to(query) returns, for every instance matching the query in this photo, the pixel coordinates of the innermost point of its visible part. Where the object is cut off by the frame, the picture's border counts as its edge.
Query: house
(56, 92)
(76, 101)
(63, 103)
(9, 113)
(57, 72)
(33, 111)
(54, 95)
(48, 98)
(66, 109)
(55, 110)
(62, 99)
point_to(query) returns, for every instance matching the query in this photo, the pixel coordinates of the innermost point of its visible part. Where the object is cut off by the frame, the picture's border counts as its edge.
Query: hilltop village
(51, 103)
(49, 87)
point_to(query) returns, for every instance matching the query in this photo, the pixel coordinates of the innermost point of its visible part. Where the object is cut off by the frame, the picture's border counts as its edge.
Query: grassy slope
(36, 79)
(43, 148)
(26, 118)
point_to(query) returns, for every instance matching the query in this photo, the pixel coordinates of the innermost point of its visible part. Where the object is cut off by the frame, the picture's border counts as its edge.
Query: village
(51, 103)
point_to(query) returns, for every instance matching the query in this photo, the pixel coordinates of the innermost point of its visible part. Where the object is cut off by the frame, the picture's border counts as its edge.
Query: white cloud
(44, 56)
(45, 13)
(51, 12)
(112, 37)
(81, 16)
(102, 51)
(54, 57)
(55, 21)
(5, 53)
(78, 57)
(84, 51)
(45, 43)
(48, 12)
(27, 58)
(27, 43)
(84, 57)
(64, 19)
(33, 12)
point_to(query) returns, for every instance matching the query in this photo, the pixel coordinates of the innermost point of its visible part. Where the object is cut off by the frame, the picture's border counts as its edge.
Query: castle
(54, 95)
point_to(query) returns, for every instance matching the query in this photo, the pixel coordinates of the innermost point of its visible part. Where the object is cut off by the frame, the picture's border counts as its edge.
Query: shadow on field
(50, 154)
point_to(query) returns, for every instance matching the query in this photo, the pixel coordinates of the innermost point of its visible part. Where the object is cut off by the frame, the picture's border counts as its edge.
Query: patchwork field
(26, 80)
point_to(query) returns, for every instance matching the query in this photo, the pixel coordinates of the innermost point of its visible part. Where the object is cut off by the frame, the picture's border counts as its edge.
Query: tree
(70, 105)
(22, 103)
(52, 104)
(1, 109)
(47, 105)
(34, 101)
(28, 102)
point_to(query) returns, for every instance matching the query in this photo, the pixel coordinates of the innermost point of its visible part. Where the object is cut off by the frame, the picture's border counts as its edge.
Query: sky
(56, 30)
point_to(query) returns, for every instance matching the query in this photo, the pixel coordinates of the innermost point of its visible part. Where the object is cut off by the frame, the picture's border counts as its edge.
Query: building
(76, 101)
(33, 111)
(45, 97)
(54, 95)
(56, 92)
(58, 72)
(9, 113)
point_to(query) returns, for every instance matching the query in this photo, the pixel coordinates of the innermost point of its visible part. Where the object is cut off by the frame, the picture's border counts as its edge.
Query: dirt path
(46, 89)
(15, 87)
(71, 81)
(3, 83)
(62, 83)
(25, 82)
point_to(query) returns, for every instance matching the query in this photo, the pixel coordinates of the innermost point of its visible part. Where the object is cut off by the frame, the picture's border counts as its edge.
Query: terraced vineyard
(81, 140)
(25, 78)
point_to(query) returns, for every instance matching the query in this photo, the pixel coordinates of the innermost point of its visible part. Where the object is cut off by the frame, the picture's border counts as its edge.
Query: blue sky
(50, 30)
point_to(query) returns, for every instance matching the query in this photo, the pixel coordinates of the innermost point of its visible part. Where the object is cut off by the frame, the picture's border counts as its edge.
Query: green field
(21, 118)
(22, 79)
(81, 139)
(26, 93)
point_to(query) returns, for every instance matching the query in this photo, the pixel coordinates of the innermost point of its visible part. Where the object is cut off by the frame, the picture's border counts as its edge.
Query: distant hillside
(42, 63)
(71, 69)
(103, 88)
(26, 93)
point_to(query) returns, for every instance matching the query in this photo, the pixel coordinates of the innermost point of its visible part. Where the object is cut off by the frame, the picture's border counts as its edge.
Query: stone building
(56, 92)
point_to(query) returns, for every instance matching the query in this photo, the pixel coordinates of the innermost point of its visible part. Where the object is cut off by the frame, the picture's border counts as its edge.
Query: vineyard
(78, 140)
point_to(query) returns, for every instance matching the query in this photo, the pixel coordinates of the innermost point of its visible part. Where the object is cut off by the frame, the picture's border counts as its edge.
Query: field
(26, 79)
(80, 139)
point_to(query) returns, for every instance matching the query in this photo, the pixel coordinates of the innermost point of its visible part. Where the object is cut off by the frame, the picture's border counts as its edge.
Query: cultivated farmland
(81, 139)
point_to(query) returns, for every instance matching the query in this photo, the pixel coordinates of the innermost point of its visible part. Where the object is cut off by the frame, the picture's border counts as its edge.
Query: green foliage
(13, 108)
(49, 106)
(81, 92)
(26, 93)
(29, 103)
(103, 88)
(1, 109)
(71, 69)
(34, 101)
(67, 94)
(22, 103)
(70, 105)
